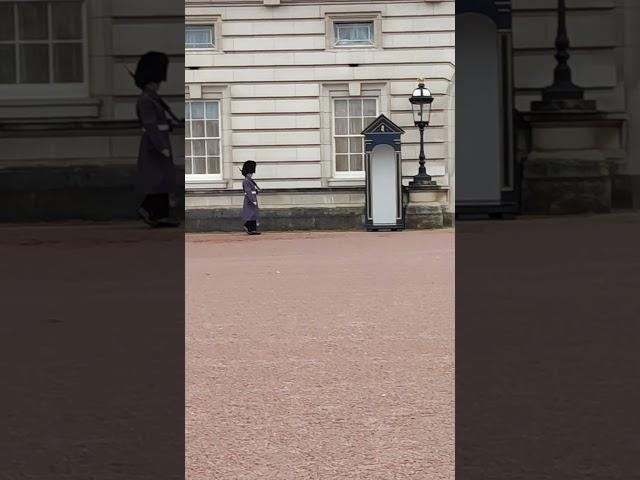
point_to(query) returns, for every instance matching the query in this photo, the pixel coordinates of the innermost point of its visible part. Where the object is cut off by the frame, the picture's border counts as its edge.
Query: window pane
(197, 127)
(367, 121)
(187, 148)
(342, 126)
(6, 22)
(198, 147)
(355, 108)
(213, 147)
(342, 145)
(369, 109)
(213, 165)
(356, 163)
(213, 128)
(66, 19)
(187, 111)
(7, 64)
(67, 62)
(342, 163)
(187, 166)
(355, 126)
(341, 108)
(212, 110)
(197, 110)
(356, 144)
(34, 63)
(33, 23)
(199, 165)
(187, 129)
(198, 37)
(354, 33)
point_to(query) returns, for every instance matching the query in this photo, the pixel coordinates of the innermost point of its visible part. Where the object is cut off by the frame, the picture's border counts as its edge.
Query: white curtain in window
(199, 36)
(353, 33)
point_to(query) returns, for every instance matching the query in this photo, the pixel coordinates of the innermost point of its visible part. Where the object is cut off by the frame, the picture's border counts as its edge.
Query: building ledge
(40, 108)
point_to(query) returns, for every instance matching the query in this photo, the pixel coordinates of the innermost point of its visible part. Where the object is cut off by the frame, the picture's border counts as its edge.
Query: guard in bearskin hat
(250, 209)
(156, 176)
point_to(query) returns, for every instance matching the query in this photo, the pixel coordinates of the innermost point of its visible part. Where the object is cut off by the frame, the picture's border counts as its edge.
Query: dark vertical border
(92, 329)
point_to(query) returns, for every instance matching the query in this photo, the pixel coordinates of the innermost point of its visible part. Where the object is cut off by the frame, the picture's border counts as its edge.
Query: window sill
(201, 51)
(42, 108)
(353, 181)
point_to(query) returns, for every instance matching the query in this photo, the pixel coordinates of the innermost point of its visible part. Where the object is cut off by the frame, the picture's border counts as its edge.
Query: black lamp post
(421, 101)
(563, 93)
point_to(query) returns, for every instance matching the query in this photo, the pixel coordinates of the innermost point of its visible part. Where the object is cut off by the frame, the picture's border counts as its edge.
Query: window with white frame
(199, 36)
(350, 117)
(353, 34)
(202, 138)
(42, 42)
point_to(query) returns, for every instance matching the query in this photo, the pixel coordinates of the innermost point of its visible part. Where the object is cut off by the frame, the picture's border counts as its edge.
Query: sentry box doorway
(383, 167)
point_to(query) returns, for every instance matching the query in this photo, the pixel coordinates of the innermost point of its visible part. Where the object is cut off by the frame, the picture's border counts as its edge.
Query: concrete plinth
(426, 206)
(567, 182)
(568, 170)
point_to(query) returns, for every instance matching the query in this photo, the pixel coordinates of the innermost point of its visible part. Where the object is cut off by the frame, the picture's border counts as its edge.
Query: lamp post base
(422, 181)
(425, 207)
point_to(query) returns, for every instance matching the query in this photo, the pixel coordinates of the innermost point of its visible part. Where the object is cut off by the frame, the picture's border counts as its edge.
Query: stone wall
(275, 73)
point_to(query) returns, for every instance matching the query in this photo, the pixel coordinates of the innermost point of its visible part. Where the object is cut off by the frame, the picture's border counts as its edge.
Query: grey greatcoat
(156, 173)
(250, 211)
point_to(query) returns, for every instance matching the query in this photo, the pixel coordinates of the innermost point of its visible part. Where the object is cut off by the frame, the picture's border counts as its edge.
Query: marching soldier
(250, 209)
(156, 170)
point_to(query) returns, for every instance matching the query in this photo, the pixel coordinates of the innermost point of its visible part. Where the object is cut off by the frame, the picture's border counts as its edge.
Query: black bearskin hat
(249, 167)
(152, 67)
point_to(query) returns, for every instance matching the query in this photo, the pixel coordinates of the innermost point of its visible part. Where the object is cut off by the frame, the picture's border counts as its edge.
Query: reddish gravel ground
(320, 356)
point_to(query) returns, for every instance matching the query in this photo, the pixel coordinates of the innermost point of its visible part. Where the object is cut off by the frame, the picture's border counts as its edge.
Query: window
(199, 36)
(351, 116)
(353, 34)
(202, 138)
(42, 42)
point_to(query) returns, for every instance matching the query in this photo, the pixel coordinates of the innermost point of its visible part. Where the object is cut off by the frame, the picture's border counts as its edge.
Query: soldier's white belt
(161, 128)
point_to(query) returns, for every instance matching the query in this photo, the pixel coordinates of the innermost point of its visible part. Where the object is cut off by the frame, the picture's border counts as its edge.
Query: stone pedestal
(566, 182)
(567, 170)
(425, 209)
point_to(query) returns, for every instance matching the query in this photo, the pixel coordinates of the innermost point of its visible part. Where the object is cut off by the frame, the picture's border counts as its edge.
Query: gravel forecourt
(320, 356)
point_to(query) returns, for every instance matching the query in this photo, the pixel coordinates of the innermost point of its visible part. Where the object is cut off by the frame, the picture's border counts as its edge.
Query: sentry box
(383, 167)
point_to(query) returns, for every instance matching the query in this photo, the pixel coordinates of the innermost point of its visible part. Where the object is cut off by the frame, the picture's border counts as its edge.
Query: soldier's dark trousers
(157, 204)
(251, 225)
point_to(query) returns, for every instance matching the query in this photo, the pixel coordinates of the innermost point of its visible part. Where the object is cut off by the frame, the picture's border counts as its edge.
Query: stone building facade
(291, 84)
(68, 134)
(564, 160)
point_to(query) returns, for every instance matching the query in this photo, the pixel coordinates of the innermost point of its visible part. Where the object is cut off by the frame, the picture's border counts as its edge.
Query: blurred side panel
(547, 237)
(92, 330)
